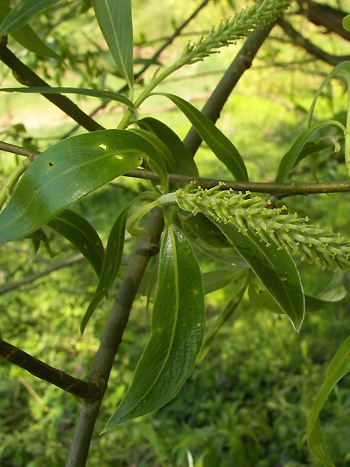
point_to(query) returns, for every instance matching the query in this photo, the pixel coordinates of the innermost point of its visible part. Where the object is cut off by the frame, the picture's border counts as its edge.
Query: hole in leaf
(119, 157)
(50, 164)
(103, 146)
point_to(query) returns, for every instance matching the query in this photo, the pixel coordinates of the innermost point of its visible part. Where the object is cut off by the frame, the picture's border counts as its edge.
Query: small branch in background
(325, 15)
(155, 56)
(6, 288)
(77, 387)
(19, 150)
(27, 77)
(309, 47)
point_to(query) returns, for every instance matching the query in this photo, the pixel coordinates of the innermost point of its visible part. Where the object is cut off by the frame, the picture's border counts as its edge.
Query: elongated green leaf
(296, 154)
(65, 173)
(177, 330)
(84, 237)
(114, 18)
(337, 369)
(276, 270)
(182, 161)
(31, 41)
(221, 146)
(110, 266)
(26, 36)
(22, 13)
(115, 96)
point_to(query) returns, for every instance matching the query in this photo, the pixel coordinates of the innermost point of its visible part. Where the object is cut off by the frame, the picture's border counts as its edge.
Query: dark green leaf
(26, 36)
(177, 330)
(109, 95)
(276, 270)
(22, 13)
(296, 153)
(337, 369)
(114, 18)
(65, 173)
(221, 146)
(182, 161)
(82, 235)
(110, 266)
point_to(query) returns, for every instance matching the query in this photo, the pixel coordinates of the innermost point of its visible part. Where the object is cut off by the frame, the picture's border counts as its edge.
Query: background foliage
(248, 400)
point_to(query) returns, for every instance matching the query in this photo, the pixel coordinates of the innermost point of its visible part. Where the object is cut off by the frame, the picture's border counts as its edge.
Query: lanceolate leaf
(114, 96)
(182, 161)
(114, 18)
(26, 36)
(110, 266)
(296, 154)
(177, 330)
(84, 237)
(221, 146)
(276, 270)
(337, 369)
(22, 13)
(65, 173)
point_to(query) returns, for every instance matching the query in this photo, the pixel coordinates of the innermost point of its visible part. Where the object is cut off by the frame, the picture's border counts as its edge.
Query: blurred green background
(246, 403)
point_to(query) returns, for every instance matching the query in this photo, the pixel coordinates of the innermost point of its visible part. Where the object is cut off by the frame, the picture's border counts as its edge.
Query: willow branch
(38, 275)
(87, 390)
(309, 47)
(276, 189)
(117, 321)
(26, 76)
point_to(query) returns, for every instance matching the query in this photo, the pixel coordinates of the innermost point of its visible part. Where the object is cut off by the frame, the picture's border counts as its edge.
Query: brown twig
(87, 390)
(309, 47)
(277, 189)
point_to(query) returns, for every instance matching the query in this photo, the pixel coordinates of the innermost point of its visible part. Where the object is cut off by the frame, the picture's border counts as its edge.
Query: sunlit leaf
(82, 235)
(65, 173)
(221, 146)
(276, 270)
(177, 330)
(110, 266)
(115, 20)
(337, 369)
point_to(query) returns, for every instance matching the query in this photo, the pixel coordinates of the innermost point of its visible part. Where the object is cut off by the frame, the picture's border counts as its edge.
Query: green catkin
(230, 30)
(288, 231)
